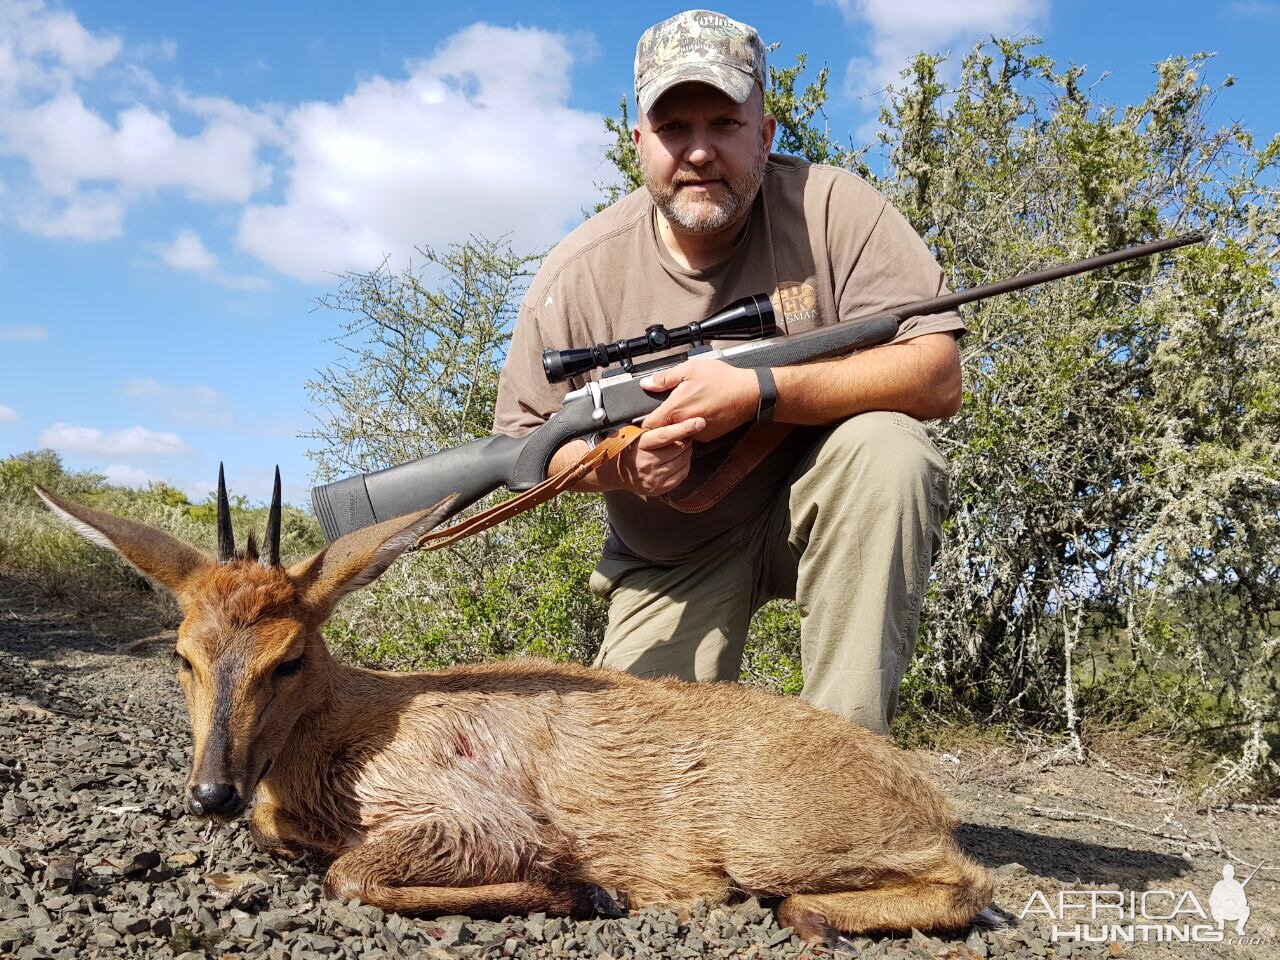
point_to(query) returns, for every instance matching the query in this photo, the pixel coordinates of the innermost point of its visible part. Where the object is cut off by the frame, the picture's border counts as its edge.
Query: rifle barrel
(952, 300)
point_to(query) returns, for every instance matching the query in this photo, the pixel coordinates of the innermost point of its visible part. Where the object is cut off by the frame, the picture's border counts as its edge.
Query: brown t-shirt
(821, 242)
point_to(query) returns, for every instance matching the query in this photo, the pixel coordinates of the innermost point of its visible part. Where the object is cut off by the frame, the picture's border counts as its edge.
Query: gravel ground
(98, 859)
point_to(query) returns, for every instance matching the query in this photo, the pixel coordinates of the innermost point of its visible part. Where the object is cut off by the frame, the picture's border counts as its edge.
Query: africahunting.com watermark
(1151, 916)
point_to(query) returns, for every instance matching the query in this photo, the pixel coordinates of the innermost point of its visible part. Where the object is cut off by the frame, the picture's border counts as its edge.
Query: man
(845, 513)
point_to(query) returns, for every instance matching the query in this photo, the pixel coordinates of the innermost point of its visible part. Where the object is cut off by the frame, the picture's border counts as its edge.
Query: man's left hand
(726, 397)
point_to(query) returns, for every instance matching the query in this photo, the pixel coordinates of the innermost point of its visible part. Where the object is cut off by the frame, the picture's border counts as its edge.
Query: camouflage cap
(700, 46)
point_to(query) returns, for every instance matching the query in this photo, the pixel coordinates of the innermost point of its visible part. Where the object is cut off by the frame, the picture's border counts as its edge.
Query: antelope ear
(360, 557)
(163, 558)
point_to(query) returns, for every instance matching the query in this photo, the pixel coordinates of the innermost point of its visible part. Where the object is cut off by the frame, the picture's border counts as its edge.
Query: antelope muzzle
(214, 800)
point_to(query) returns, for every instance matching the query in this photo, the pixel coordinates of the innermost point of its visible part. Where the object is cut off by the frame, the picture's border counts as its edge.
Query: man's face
(703, 155)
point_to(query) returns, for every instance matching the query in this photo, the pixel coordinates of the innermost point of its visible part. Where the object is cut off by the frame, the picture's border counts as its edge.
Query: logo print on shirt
(795, 302)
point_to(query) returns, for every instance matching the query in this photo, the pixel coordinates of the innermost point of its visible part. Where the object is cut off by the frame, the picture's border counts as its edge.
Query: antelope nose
(212, 798)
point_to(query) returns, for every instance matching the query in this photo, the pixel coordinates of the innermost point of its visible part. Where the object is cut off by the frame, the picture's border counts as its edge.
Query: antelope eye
(289, 667)
(183, 663)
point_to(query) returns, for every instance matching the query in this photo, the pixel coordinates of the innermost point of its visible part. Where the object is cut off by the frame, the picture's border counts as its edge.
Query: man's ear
(360, 557)
(163, 558)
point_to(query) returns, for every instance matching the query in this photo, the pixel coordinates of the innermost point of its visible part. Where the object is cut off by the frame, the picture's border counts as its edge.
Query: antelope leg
(375, 875)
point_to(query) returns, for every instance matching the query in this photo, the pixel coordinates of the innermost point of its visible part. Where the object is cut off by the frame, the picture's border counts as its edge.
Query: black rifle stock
(474, 470)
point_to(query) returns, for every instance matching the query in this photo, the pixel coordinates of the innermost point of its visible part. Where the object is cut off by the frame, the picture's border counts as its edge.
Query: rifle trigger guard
(597, 401)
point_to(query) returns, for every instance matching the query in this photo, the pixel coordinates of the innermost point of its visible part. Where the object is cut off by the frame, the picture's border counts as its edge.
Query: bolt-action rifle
(476, 469)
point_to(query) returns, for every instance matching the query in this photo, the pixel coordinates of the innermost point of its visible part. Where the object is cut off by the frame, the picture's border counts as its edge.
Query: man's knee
(882, 446)
(879, 461)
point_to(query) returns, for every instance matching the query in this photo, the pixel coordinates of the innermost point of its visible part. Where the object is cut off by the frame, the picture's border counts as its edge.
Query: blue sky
(180, 182)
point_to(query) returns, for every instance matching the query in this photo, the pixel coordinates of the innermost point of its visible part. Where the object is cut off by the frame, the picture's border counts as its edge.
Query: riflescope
(750, 318)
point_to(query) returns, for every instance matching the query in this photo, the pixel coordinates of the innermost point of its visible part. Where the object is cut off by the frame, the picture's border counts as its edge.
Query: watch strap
(768, 394)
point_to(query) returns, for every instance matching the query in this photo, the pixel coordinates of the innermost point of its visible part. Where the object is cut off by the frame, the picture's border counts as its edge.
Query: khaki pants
(850, 538)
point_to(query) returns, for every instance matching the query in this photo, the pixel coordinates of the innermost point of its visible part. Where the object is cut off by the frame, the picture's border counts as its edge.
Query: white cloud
(165, 49)
(46, 49)
(151, 388)
(132, 441)
(84, 167)
(902, 28)
(8, 414)
(66, 144)
(196, 404)
(264, 122)
(126, 476)
(188, 252)
(29, 331)
(479, 139)
(89, 215)
(236, 281)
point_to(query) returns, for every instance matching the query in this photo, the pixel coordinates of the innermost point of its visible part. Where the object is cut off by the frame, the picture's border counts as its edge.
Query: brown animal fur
(528, 785)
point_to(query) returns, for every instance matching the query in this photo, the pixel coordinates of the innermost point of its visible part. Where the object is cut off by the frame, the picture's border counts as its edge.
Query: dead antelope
(525, 785)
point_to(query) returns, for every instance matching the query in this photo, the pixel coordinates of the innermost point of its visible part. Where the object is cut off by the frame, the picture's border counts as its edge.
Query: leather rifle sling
(752, 447)
(605, 450)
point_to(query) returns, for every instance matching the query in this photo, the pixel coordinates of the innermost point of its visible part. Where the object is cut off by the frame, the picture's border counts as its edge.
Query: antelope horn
(226, 539)
(271, 541)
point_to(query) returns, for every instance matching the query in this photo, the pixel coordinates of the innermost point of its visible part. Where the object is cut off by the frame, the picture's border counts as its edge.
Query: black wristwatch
(768, 394)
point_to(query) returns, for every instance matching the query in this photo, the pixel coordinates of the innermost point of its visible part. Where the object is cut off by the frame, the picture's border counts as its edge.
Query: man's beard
(701, 213)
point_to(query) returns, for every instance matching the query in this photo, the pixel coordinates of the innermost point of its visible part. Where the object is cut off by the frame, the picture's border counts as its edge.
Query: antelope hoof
(839, 943)
(812, 927)
(594, 901)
